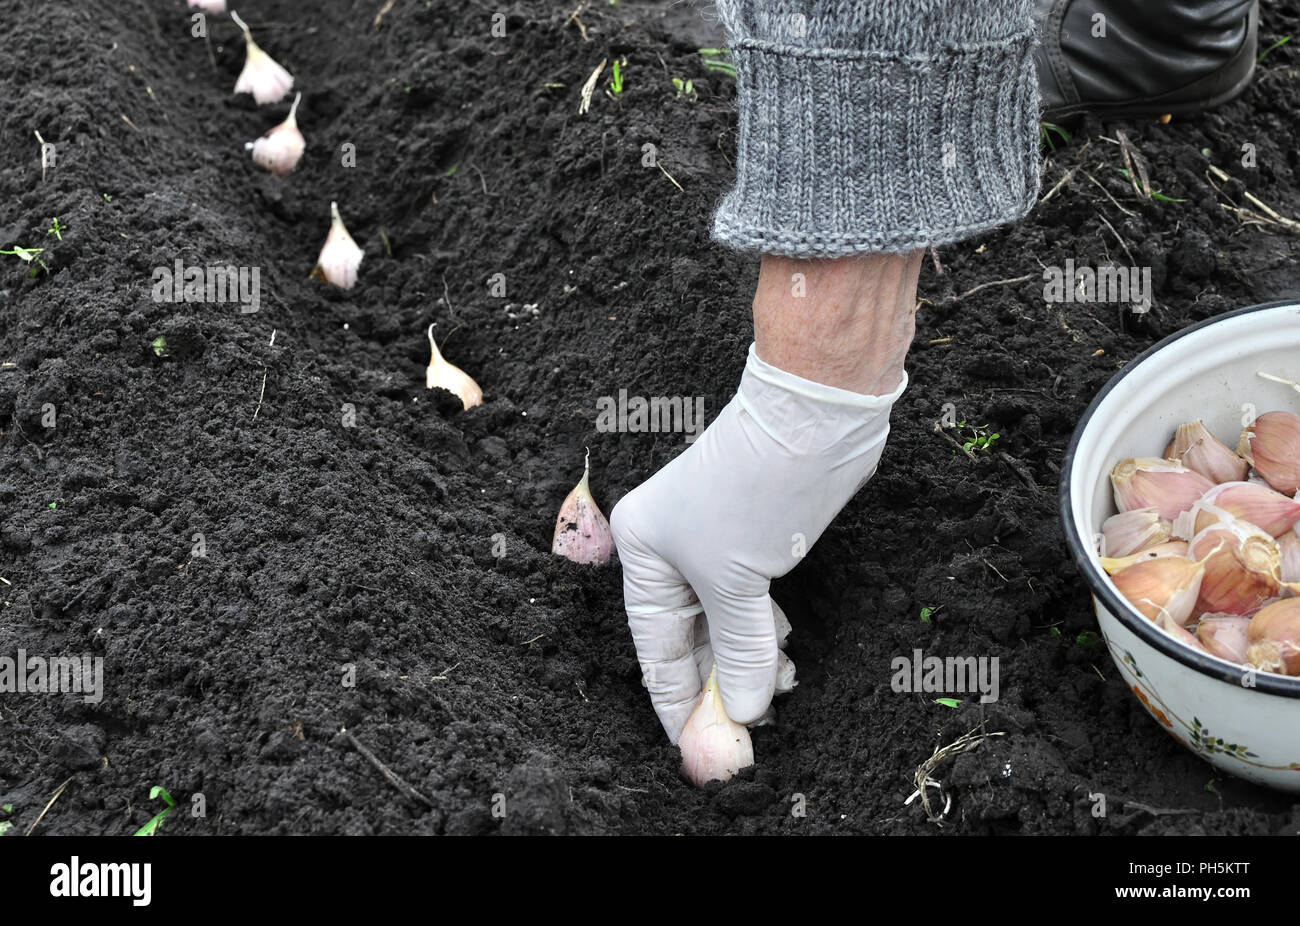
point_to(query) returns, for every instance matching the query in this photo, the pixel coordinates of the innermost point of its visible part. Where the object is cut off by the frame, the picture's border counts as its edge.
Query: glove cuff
(819, 392)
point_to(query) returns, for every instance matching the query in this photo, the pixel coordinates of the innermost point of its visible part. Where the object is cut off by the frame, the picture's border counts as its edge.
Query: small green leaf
(948, 702)
(6, 808)
(5, 827)
(925, 615)
(1054, 631)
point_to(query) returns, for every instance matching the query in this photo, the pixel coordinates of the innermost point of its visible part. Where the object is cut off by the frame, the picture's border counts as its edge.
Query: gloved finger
(661, 613)
(785, 671)
(742, 632)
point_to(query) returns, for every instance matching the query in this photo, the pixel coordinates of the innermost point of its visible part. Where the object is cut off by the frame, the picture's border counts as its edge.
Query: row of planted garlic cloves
(1205, 543)
(713, 747)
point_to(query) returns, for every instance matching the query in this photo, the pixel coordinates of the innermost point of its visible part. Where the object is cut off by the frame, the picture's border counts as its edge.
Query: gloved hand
(738, 508)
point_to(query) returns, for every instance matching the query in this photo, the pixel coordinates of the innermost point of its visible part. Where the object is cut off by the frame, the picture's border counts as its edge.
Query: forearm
(846, 323)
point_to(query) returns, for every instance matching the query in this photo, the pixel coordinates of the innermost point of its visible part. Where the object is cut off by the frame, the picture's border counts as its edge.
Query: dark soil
(329, 546)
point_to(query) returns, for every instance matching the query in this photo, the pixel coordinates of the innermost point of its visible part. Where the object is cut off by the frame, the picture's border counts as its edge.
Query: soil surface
(347, 575)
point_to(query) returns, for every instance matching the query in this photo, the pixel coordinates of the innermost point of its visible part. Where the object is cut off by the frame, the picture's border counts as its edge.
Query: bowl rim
(1145, 630)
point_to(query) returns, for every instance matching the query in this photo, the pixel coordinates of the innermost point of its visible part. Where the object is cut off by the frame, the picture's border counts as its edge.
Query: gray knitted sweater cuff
(876, 125)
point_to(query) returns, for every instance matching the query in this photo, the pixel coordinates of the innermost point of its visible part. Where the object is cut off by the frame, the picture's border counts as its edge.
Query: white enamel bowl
(1247, 724)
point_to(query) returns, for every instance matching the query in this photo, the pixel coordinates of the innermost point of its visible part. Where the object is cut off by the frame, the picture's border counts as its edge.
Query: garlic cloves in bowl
(266, 80)
(581, 532)
(280, 149)
(1274, 638)
(444, 375)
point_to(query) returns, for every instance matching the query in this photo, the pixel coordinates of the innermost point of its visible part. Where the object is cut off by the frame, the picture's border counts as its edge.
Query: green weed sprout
(1045, 132)
(151, 828)
(57, 229)
(29, 256)
(1155, 194)
(713, 60)
(978, 438)
(1267, 51)
(684, 87)
(616, 82)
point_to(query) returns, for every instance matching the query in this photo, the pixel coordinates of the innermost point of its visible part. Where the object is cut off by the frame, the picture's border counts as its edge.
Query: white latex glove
(738, 508)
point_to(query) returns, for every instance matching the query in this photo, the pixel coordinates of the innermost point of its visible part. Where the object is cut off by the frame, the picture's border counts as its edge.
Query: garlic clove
(208, 6)
(441, 374)
(280, 149)
(1288, 546)
(1168, 486)
(1272, 446)
(1128, 532)
(1241, 568)
(261, 76)
(785, 680)
(1197, 449)
(340, 257)
(1274, 638)
(1178, 632)
(1256, 504)
(713, 746)
(1171, 548)
(581, 531)
(1224, 635)
(1166, 585)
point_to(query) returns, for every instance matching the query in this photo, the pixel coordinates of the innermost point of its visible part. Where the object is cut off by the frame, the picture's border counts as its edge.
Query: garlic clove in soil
(208, 6)
(261, 76)
(280, 149)
(1274, 638)
(1168, 486)
(444, 375)
(1197, 449)
(713, 746)
(1170, 548)
(581, 531)
(340, 257)
(1168, 585)
(1241, 568)
(1272, 446)
(1270, 511)
(1130, 531)
(1224, 635)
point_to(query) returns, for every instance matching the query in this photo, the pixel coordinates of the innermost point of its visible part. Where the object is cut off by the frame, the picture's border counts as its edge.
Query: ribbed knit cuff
(845, 151)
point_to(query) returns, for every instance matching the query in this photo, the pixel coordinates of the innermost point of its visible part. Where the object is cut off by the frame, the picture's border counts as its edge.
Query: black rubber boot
(1143, 58)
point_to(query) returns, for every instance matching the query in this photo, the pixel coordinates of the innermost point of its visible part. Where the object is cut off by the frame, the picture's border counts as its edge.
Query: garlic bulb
(1196, 448)
(1168, 585)
(1241, 568)
(581, 531)
(1130, 531)
(1145, 482)
(443, 375)
(1272, 445)
(1274, 638)
(340, 257)
(713, 747)
(280, 149)
(261, 76)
